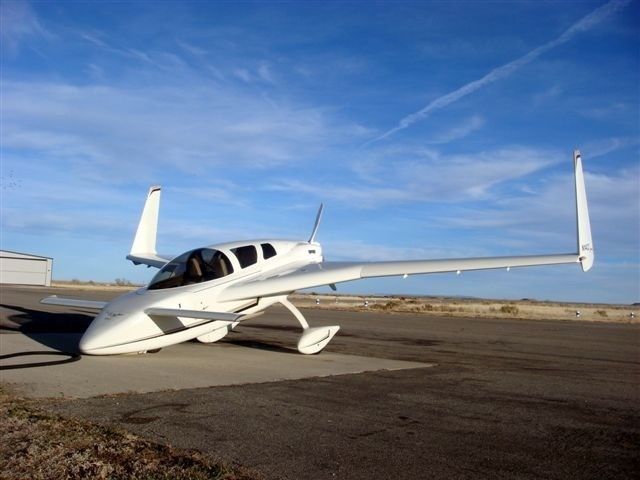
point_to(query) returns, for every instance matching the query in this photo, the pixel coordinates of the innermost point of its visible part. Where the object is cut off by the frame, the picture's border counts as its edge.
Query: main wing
(327, 273)
(199, 314)
(73, 302)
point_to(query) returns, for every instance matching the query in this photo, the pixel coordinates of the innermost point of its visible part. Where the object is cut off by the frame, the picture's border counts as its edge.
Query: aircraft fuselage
(124, 326)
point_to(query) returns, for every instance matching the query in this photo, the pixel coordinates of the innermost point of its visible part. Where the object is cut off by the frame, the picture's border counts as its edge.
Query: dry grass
(91, 285)
(35, 444)
(478, 308)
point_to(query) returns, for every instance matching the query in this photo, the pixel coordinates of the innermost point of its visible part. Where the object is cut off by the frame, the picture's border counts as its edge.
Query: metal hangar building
(25, 269)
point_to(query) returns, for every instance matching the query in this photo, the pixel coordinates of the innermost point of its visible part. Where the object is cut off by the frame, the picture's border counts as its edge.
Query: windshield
(195, 266)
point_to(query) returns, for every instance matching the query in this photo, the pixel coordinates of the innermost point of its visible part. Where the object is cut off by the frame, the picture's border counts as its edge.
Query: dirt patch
(40, 445)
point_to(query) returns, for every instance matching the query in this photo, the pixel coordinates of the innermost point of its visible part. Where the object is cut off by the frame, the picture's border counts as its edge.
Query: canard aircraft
(206, 292)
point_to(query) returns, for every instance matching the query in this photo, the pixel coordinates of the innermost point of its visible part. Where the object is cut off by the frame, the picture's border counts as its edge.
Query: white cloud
(472, 176)
(260, 73)
(229, 194)
(265, 73)
(140, 55)
(356, 195)
(95, 39)
(602, 147)
(79, 223)
(549, 94)
(137, 129)
(458, 132)
(95, 72)
(608, 110)
(547, 218)
(424, 175)
(243, 74)
(192, 49)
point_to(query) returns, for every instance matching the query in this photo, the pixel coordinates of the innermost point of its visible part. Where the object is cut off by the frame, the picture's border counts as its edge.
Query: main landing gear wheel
(313, 340)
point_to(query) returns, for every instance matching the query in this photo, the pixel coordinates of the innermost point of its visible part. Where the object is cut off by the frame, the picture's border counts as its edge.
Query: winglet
(144, 242)
(585, 243)
(317, 224)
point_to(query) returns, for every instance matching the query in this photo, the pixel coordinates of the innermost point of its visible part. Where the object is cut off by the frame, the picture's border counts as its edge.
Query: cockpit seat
(219, 267)
(194, 271)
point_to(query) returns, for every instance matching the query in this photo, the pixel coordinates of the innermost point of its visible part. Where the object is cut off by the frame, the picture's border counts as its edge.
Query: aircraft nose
(89, 344)
(98, 336)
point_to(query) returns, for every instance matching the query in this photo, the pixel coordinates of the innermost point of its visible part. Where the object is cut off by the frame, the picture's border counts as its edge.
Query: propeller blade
(317, 224)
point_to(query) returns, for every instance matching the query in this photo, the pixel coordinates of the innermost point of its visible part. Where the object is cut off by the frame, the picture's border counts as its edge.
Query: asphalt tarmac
(505, 399)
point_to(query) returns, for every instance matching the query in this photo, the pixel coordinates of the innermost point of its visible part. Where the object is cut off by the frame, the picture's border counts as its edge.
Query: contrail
(586, 23)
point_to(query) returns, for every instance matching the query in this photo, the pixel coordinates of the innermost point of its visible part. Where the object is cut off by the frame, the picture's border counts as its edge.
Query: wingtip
(585, 242)
(145, 237)
(46, 300)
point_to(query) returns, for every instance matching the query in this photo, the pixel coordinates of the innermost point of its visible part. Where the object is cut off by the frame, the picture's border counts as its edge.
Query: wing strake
(200, 314)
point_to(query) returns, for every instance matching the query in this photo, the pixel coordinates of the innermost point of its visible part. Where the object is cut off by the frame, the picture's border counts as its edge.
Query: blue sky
(429, 129)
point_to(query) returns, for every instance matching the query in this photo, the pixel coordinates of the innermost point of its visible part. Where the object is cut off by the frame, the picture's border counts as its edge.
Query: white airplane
(204, 293)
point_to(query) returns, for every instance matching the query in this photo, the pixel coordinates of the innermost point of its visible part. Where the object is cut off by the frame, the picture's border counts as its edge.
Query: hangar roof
(10, 254)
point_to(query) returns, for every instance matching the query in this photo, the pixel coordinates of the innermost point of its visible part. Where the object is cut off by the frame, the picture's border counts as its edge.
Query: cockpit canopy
(195, 266)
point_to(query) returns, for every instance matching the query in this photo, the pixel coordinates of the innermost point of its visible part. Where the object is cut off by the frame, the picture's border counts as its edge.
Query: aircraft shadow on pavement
(71, 357)
(58, 331)
(261, 346)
